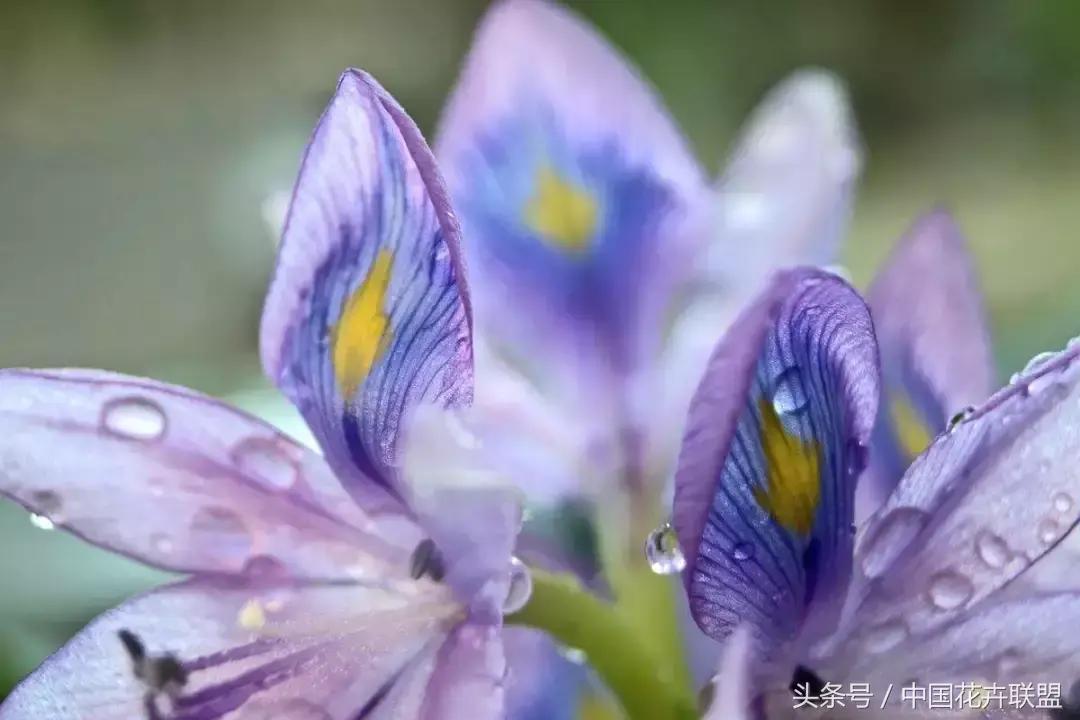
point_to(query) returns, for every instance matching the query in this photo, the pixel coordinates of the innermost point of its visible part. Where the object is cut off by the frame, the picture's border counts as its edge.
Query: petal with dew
(990, 500)
(578, 218)
(246, 650)
(367, 314)
(786, 196)
(935, 348)
(776, 437)
(181, 481)
(1007, 640)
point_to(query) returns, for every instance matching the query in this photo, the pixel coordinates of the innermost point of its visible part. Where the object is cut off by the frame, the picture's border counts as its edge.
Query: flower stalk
(640, 678)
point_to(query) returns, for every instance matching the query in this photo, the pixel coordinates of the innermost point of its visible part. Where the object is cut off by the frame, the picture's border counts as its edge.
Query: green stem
(645, 599)
(630, 668)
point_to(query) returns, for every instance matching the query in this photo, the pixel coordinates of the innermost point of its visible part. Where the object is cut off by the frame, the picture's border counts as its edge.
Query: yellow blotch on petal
(251, 615)
(561, 212)
(792, 483)
(362, 333)
(911, 432)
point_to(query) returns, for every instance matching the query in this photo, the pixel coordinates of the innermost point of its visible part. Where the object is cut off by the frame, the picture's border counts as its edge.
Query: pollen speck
(251, 615)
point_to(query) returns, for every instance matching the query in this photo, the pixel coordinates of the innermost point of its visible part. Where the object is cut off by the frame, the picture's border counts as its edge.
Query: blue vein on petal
(386, 214)
(796, 560)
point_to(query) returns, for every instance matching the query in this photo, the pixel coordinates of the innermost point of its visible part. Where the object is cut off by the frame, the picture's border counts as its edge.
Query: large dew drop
(267, 462)
(949, 590)
(1063, 503)
(742, 551)
(663, 552)
(134, 418)
(992, 550)
(1048, 531)
(520, 587)
(884, 637)
(789, 395)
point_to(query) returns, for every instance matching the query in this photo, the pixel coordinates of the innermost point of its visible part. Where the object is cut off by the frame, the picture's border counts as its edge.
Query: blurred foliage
(140, 140)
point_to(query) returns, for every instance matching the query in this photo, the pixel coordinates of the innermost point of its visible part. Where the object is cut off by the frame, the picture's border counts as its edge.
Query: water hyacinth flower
(369, 583)
(932, 332)
(603, 260)
(932, 588)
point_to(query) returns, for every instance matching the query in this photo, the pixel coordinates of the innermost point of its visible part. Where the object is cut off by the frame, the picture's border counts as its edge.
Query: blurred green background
(143, 145)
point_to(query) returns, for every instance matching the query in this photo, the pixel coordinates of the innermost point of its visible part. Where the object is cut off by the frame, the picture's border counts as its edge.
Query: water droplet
(663, 552)
(855, 458)
(742, 551)
(219, 532)
(162, 543)
(427, 560)
(840, 271)
(134, 418)
(265, 460)
(575, 655)
(1062, 502)
(992, 550)
(1048, 531)
(888, 538)
(959, 418)
(949, 590)
(886, 636)
(41, 522)
(1034, 363)
(789, 395)
(520, 587)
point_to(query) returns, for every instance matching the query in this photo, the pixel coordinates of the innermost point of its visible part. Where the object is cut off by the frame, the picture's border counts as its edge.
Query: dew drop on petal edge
(662, 551)
(520, 587)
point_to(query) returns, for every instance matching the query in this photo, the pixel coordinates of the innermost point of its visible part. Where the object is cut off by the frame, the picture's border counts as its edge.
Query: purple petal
(468, 508)
(468, 681)
(985, 503)
(733, 688)
(774, 442)
(572, 185)
(367, 314)
(935, 349)
(1029, 639)
(541, 684)
(311, 652)
(525, 427)
(785, 198)
(181, 481)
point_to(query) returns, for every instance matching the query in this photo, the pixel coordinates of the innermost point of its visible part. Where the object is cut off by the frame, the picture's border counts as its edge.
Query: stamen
(427, 560)
(160, 674)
